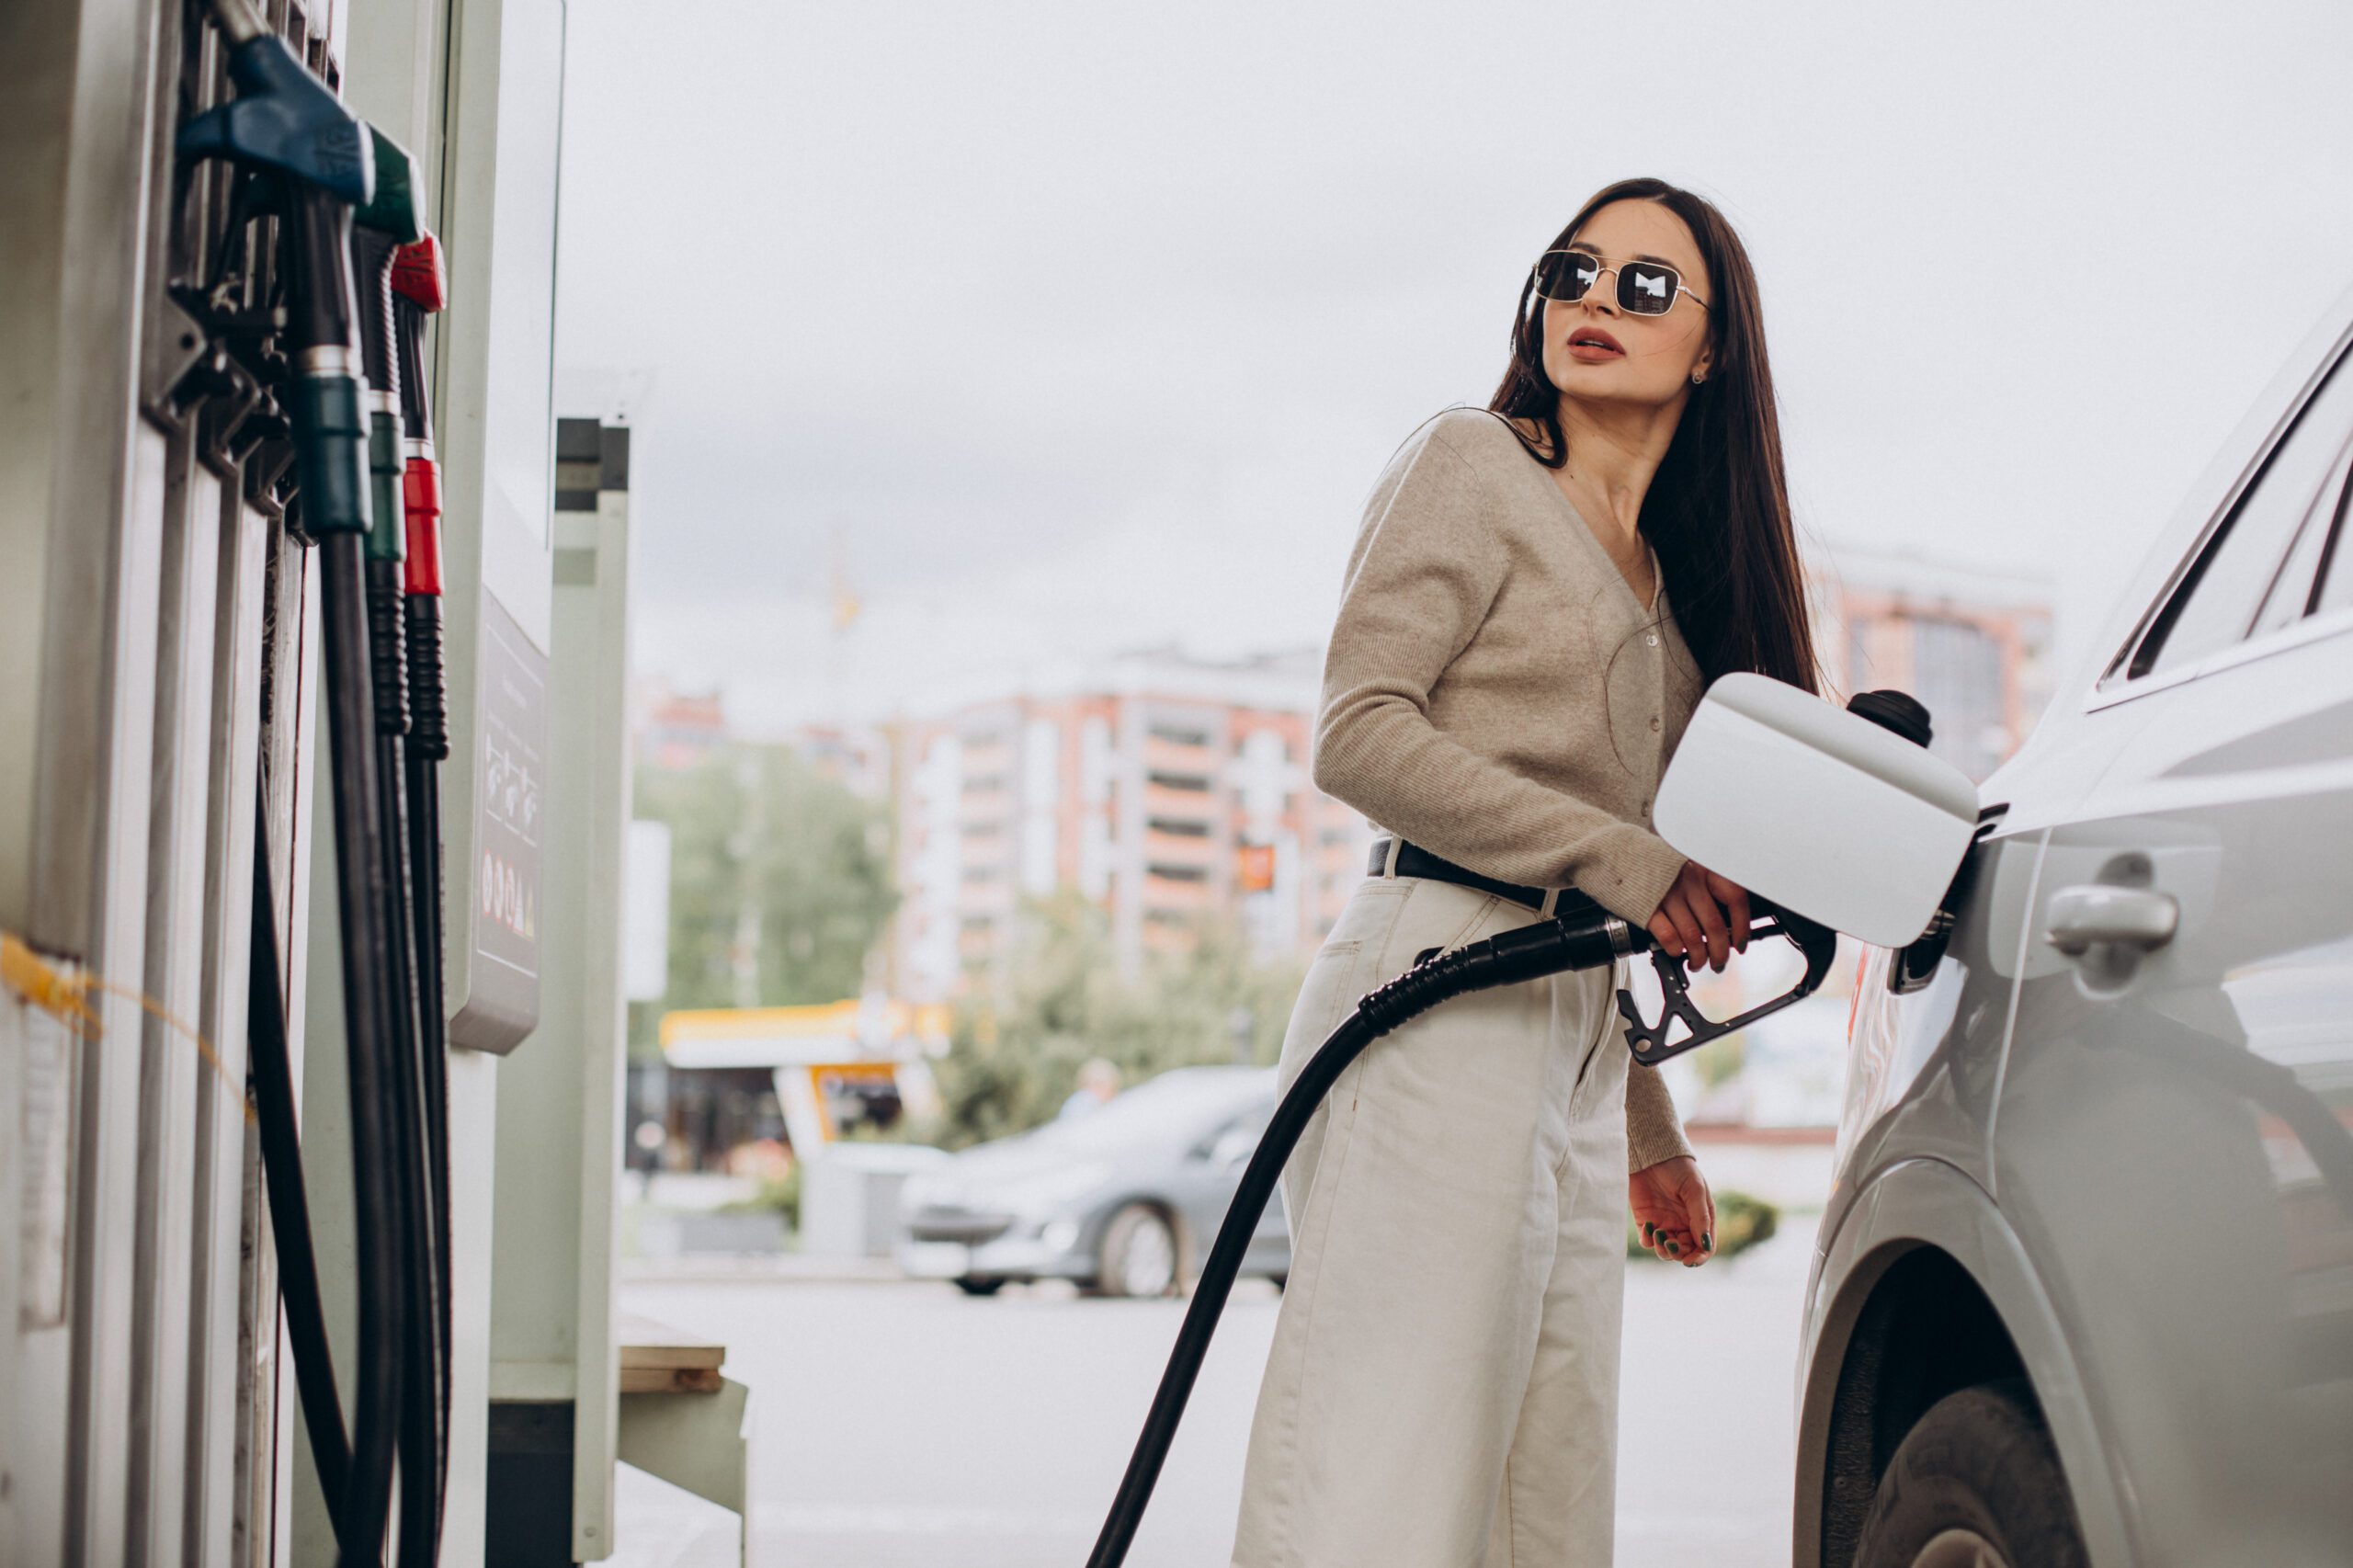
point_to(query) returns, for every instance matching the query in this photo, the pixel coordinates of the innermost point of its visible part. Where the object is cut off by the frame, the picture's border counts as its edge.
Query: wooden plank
(671, 1379)
(647, 1345)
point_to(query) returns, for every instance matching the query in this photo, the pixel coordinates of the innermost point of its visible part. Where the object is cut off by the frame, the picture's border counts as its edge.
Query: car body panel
(2157, 1195)
(2153, 1167)
(1917, 1202)
(977, 1217)
(1923, 1067)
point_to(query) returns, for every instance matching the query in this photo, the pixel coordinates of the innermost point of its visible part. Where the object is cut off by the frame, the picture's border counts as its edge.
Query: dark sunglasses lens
(1566, 274)
(1646, 290)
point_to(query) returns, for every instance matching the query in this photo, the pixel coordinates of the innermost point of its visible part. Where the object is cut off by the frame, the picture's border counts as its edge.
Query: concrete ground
(900, 1424)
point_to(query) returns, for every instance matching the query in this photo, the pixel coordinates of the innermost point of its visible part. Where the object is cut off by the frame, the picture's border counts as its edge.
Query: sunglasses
(1644, 287)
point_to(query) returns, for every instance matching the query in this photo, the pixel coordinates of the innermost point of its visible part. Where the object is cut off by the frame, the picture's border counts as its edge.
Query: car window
(2218, 601)
(2292, 590)
(2336, 566)
(1160, 1108)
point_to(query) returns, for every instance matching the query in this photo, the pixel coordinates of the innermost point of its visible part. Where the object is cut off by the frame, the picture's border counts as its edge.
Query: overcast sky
(1088, 325)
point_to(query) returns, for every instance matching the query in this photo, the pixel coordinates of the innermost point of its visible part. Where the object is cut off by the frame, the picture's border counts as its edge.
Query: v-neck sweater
(1494, 692)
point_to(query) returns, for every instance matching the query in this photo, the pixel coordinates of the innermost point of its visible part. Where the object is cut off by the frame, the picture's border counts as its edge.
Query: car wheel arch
(1924, 1234)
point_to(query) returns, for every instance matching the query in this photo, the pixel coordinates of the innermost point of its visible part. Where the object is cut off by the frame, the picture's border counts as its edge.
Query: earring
(1697, 378)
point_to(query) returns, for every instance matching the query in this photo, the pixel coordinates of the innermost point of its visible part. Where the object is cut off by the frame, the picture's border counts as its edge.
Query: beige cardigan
(1494, 692)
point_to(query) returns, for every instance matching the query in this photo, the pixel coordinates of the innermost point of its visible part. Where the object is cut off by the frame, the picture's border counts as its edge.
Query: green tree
(1015, 1051)
(781, 882)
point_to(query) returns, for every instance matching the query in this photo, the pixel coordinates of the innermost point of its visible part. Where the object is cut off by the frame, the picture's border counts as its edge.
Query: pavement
(901, 1425)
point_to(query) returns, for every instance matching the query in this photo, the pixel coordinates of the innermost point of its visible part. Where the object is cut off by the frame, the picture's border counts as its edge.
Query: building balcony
(1164, 755)
(1171, 895)
(1184, 806)
(1180, 848)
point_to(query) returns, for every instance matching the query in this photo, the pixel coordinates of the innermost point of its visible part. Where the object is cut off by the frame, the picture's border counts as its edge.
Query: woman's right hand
(1703, 918)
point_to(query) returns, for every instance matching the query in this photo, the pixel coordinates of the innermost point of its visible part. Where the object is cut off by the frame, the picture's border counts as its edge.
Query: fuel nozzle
(1896, 711)
(283, 118)
(419, 286)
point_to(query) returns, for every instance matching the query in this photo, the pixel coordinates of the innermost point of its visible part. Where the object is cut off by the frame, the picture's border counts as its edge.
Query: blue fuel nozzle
(285, 119)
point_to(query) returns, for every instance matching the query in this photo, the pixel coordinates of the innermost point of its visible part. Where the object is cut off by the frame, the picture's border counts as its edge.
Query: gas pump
(210, 495)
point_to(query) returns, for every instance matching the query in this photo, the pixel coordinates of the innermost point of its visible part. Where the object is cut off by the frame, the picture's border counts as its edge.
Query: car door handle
(2132, 917)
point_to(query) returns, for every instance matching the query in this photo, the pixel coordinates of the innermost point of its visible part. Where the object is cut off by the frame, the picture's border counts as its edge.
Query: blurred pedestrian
(1098, 1081)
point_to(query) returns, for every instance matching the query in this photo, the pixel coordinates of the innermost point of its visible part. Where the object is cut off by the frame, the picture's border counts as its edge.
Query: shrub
(780, 1194)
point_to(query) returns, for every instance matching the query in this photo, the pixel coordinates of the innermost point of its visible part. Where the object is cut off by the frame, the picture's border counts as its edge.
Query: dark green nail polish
(1647, 1228)
(1674, 1251)
(1707, 1241)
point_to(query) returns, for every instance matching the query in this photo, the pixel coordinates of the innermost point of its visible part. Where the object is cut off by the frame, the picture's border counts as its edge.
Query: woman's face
(1598, 353)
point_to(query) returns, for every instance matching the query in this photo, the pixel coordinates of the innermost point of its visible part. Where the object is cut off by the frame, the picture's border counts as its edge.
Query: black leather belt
(1415, 862)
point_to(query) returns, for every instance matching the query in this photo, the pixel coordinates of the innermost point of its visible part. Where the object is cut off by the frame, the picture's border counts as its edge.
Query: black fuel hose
(330, 439)
(424, 1416)
(425, 881)
(421, 1418)
(368, 1001)
(428, 748)
(272, 1067)
(1582, 936)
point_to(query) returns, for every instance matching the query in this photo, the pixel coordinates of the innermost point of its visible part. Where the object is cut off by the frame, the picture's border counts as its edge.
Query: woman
(1538, 595)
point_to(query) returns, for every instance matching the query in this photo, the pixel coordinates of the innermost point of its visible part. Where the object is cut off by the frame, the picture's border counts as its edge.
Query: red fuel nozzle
(421, 500)
(418, 276)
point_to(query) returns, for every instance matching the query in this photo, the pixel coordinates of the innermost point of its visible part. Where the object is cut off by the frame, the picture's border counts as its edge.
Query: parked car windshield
(1168, 1104)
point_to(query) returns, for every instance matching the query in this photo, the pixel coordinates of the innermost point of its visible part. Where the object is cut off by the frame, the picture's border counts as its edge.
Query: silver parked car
(1125, 1200)
(2083, 1289)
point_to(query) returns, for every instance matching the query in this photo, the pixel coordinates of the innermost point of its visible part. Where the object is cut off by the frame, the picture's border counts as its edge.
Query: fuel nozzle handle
(390, 220)
(1897, 712)
(283, 118)
(419, 287)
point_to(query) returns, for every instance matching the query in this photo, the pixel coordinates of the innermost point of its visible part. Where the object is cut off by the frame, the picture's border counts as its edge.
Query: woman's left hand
(1673, 1207)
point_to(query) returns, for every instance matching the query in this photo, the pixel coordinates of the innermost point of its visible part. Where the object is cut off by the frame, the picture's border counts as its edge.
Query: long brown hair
(1718, 510)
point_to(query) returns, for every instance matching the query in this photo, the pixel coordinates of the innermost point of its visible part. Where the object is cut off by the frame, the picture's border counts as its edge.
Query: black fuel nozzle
(1648, 1042)
(1897, 712)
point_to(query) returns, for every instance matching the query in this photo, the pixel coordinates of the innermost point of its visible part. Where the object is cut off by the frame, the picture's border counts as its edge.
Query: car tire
(974, 1285)
(1975, 1484)
(1138, 1254)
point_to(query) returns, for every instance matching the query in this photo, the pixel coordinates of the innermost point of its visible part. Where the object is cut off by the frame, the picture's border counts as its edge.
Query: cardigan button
(1654, 726)
(1651, 638)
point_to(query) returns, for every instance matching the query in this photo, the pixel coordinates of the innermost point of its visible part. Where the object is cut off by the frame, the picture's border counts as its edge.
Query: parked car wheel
(1139, 1254)
(973, 1285)
(1976, 1484)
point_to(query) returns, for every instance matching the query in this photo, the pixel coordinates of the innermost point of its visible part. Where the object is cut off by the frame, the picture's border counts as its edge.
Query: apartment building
(1164, 787)
(1973, 646)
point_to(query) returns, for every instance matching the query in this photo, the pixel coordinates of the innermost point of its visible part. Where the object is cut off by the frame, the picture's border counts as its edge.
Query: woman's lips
(1592, 346)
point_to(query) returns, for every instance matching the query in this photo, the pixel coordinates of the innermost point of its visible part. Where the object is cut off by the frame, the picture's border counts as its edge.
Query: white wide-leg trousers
(1442, 1390)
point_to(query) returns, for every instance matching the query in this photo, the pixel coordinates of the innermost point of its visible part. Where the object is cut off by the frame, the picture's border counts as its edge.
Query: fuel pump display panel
(510, 793)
